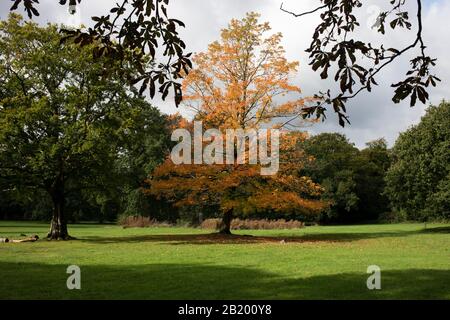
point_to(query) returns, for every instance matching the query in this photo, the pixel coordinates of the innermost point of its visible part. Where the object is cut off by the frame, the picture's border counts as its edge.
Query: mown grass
(186, 263)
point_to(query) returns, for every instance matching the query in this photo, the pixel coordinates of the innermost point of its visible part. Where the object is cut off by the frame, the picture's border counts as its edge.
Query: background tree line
(78, 144)
(410, 181)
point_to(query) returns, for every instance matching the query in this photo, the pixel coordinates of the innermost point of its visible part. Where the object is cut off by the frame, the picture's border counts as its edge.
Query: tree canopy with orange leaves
(239, 83)
(240, 80)
(240, 189)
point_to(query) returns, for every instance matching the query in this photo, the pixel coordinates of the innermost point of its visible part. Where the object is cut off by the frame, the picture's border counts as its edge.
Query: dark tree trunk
(225, 227)
(58, 227)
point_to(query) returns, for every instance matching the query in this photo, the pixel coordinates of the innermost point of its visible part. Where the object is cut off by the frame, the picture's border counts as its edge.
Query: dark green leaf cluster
(132, 32)
(333, 47)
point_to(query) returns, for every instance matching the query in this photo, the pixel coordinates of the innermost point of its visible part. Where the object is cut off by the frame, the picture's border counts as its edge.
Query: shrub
(212, 224)
(394, 216)
(250, 224)
(140, 222)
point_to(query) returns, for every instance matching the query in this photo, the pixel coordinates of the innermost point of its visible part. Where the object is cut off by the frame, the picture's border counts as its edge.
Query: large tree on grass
(63, 119)
(241, 83)
(241, 190)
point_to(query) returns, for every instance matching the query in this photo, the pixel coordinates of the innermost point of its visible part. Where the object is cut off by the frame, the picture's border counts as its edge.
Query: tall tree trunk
(225, 227)
(58, 227)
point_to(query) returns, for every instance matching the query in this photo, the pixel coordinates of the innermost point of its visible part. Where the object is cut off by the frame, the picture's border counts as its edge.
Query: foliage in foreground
(356, 64)
(132, 32)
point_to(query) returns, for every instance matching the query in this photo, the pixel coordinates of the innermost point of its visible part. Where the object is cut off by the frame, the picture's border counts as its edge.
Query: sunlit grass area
(187, 263)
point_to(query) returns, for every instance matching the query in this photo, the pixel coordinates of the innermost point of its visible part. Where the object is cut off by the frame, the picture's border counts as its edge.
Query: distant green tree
(140, 154)
(145, 145)
(64, 123)
(418, 182)
(353, 179)
(374, 161)
(333, 169)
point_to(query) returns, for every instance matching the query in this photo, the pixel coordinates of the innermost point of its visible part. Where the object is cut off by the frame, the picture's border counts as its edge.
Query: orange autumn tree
(241, 189)
(239, 83)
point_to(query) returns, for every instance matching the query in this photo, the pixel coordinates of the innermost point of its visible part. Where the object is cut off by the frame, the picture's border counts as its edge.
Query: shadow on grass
(437, 230)
(211, 238)
(189, 281)
(215, 238)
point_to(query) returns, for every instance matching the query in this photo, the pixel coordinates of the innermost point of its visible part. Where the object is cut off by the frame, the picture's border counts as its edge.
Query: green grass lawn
(184, 263)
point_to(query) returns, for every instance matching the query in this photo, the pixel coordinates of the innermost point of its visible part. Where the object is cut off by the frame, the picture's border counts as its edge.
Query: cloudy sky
(373, 115)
